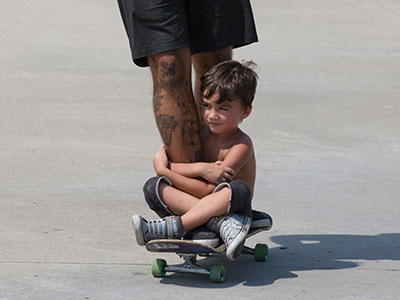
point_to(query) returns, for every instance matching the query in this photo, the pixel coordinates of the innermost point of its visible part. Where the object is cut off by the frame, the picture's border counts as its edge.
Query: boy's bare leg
(179, 202)
(174, 106)
(195, 212)
(202, 62)
(232, 228)
(212, 205)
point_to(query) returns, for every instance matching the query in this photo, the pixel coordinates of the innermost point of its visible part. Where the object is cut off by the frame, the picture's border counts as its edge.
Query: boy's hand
(217, 173)
(160, 161)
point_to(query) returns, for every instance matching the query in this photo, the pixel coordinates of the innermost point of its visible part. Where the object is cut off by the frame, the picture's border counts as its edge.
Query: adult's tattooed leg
(202, 62)
(166, 125)
(174, 106)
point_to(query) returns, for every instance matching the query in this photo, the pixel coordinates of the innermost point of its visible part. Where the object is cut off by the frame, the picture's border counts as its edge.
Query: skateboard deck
(188, 249)
(182, 247)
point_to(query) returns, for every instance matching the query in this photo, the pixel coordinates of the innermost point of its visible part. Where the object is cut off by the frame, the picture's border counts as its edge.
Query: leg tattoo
(157, 97)
(174, 106)
(166, 126)
(190, 133)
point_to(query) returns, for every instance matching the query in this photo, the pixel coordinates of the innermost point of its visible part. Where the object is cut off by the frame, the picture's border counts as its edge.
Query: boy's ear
(247, 112)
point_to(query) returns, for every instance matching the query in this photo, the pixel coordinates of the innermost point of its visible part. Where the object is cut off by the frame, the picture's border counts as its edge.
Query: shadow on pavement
(297, 253)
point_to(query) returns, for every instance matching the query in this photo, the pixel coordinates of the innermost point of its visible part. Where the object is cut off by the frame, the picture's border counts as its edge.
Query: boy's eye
(223, 108)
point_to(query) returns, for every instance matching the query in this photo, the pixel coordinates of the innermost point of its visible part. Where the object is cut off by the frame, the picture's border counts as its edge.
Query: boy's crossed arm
(214, 172)
(188, 177)
(219, 171)
(184, 182)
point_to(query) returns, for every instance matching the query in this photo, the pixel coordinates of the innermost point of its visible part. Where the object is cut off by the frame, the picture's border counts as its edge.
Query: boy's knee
(149, 187)
(241, 189)
(152, 197)
(240, 197)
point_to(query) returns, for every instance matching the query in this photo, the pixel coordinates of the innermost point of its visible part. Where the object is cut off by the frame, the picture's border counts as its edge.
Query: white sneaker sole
(137, 228)
(209, 242)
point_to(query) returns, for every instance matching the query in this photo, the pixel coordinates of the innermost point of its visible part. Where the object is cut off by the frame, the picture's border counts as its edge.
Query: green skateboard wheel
(158, 267)
(261, 252)
(217, 273)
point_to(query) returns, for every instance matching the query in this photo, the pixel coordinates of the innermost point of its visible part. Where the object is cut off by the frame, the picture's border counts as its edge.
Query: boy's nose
(213, 114)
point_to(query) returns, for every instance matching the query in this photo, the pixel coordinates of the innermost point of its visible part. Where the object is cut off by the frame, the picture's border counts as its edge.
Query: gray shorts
(239, 203)
(155, 26)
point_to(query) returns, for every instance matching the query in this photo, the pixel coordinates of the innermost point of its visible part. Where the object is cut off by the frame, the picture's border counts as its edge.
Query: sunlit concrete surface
(77, 136)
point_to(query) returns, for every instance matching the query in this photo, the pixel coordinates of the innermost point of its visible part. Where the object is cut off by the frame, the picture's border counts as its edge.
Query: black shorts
(239, 202)
(155, 26)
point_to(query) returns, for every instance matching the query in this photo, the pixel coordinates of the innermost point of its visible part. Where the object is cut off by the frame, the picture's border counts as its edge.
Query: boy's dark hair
(231, 79)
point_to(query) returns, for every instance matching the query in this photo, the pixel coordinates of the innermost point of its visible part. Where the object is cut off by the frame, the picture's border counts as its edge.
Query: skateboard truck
(216, 273)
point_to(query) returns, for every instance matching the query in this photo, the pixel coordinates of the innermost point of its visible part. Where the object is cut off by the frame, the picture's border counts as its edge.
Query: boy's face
(223, 118)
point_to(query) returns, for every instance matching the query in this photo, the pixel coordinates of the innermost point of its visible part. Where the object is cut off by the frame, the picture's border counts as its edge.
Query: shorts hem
(220, 187)
(140, 59)
(219, 46)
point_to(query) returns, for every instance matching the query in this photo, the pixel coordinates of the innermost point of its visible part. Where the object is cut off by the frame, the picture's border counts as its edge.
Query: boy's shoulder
(241, 138)
(245, 138)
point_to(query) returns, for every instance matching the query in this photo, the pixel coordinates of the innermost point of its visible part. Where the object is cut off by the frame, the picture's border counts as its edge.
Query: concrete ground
(77, 138)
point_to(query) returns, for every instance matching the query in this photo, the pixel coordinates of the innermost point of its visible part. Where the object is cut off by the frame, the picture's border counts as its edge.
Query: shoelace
(155, 227)
(230, 229)
(227, 232)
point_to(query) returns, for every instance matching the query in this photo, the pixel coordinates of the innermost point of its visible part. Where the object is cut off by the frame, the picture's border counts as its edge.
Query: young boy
(218, 191)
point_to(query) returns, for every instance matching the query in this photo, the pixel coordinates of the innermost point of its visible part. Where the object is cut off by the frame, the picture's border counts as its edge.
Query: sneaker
(233, 231)
(153, 229)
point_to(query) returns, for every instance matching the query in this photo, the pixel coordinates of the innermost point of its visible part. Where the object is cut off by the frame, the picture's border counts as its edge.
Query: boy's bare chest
(213, 151)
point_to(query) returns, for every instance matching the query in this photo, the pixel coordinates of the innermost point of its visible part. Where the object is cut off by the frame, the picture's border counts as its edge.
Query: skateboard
(203, 242)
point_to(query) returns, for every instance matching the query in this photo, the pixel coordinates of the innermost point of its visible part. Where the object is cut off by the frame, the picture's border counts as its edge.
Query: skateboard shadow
(297, 253)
